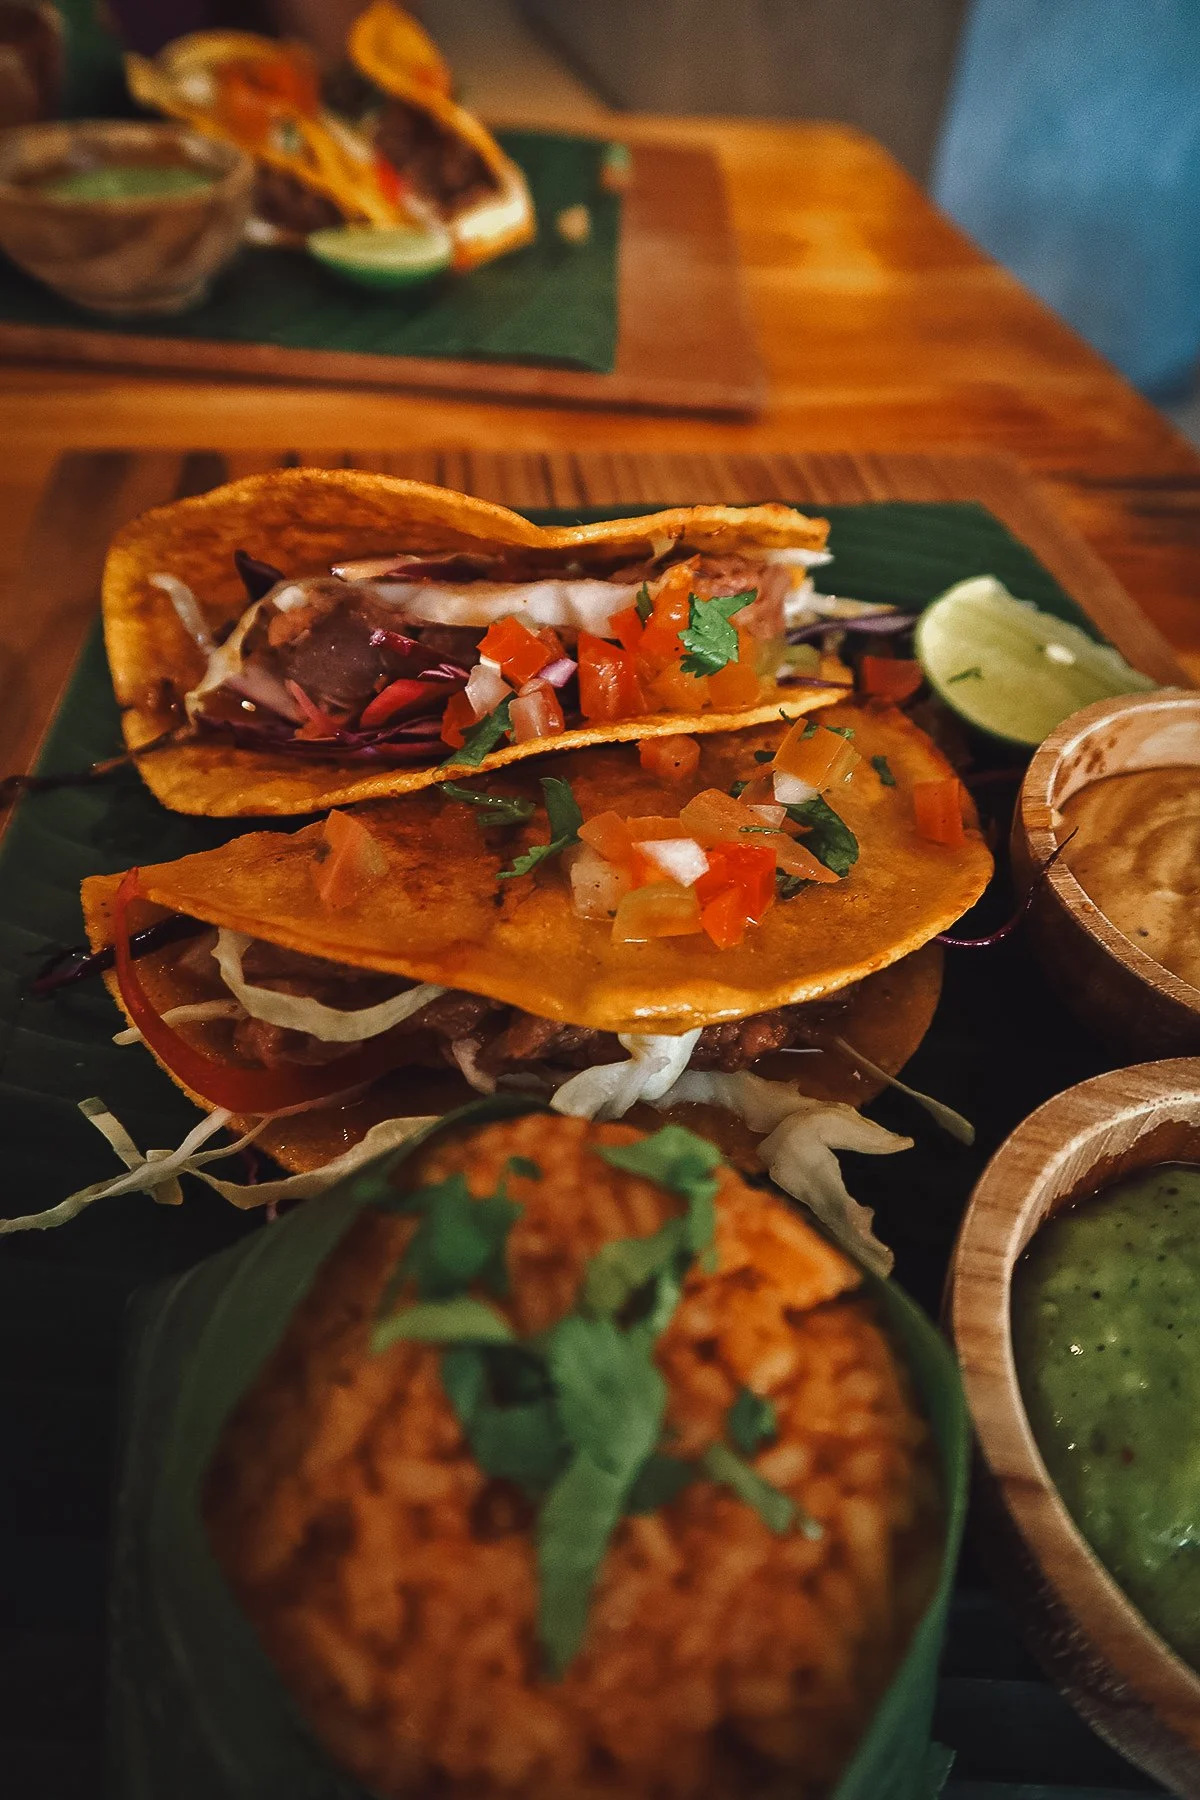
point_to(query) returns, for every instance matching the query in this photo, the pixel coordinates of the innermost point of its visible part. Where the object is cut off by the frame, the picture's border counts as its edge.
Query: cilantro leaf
(679, 1161)
(491, 809)
(513, 1437)
(459, 1240)
(525, 1165)
(581, 1512)
(710, 639)
(482, 738)
(463, 1320)
(738, 788)
(883, 769)
(788, 886)
(751, 1421)
(844, 731)
(565, 817)
(643, 603)
(618, 1270)
(974, 673)
(660, 1480)
(775, 1510)
(764, 756)
(829, 838)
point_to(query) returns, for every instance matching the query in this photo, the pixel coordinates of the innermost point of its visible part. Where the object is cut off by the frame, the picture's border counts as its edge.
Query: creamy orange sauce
(1137, 855)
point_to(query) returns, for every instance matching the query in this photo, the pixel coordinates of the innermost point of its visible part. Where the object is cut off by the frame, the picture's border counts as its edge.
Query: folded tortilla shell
(441, 914)
(304, 520)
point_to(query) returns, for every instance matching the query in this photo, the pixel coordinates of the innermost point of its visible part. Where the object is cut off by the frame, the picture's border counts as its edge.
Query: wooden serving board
(90, 494)
(676, 240)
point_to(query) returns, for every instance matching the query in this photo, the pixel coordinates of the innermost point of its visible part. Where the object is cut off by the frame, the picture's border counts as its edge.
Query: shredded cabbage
(610, 1089)
(296, 1012)
(798, 1147)
(178, 1015)
(158, 1171)
(575, 604)
(187, 607)
(947, 1118)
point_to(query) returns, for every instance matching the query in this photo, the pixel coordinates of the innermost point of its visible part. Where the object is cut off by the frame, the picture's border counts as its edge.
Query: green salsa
(1106, 1333)
(128, 181)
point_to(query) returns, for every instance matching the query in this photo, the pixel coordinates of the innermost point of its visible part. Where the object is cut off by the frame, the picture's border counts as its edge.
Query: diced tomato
(391, 183)
(938, 806)
(608, 684)
(821, 757)
(672, 689)
(713, 815)
(547, 635)
(536, 712)
(670, 613)
(457, 720)
(724, 918)
(654, 825)
(520, 654)
(608, 834)
(669, 758)
(794, 859)
(626, 627)
(349, 860)
(661, 910)
(891, 678)
(750, 869)
(737, 684)
(395, 699)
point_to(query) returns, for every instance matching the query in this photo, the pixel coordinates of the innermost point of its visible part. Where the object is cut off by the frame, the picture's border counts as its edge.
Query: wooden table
(882, 329)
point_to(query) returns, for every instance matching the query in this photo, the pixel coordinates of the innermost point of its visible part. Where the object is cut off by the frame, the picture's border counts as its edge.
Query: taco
(442, 154)
(314, 168)
(311, 637)
(525, 934)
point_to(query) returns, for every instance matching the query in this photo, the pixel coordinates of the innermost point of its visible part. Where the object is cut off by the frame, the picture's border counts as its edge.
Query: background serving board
(997, 1047)
(685, 339)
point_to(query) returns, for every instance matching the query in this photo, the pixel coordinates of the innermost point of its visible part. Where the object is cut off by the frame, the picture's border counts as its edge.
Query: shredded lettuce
(296, 1012)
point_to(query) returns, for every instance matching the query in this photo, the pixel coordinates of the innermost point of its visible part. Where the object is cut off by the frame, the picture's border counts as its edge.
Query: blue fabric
(1071, 153)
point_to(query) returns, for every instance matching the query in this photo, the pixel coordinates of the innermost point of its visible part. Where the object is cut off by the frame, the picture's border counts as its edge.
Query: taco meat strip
(506, 1039)
(441, 166)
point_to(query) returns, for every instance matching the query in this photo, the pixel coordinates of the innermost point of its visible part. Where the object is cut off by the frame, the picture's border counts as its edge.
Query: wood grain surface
(51, 600)
(881, 328)
(676, 239)
(1091, 1640)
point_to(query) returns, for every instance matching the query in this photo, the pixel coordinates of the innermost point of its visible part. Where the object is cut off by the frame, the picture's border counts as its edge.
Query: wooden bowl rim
(1035, 812)
(232, 167)
(1006, 1207)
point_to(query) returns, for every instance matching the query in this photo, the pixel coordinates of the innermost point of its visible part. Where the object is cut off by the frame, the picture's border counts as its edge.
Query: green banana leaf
(197, 1710)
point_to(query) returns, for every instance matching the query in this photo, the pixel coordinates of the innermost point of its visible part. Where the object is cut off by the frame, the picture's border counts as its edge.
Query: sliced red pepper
(399, 696)
(225, 1084)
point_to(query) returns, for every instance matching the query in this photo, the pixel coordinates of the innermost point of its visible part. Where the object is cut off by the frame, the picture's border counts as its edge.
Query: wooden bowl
(1091, 1639)
(1123, 994)
(153, 254)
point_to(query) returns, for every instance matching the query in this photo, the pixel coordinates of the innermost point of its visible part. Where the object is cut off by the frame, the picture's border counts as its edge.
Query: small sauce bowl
(1090, 1638)
(1127, 997)
(141, 254)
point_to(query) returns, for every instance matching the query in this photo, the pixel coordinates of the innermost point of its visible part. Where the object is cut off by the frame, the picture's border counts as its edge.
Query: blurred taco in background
(445, 158)
(311, 637)
(760, 967)
(315, 170)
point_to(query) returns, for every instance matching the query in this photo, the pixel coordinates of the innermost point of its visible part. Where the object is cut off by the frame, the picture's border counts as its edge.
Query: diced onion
(790, 790)
(770, 815)
(535, 713)
(681, 858)
(486, 687)
(596, 884)
(296, 1012)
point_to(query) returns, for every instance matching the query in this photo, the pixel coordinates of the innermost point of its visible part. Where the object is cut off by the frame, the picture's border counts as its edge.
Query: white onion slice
(296, 1012)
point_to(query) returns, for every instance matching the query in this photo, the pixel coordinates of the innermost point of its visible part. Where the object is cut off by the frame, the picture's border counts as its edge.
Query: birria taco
(593, 935)
(311, 637)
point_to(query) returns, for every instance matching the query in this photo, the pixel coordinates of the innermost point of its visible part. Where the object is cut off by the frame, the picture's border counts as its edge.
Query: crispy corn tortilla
(303, 520)
(887, 1018)
(441, 914)
(392, 50)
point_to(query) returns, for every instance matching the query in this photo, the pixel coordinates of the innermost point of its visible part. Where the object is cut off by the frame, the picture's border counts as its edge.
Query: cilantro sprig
(491, 809)
(482, 738)
(828, 836)
(565, 817)
(883, 769)
(710, 640)
(644, 604)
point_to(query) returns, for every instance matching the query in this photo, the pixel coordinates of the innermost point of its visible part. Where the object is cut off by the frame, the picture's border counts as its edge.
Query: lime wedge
(383, 258)
(1011, 670)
